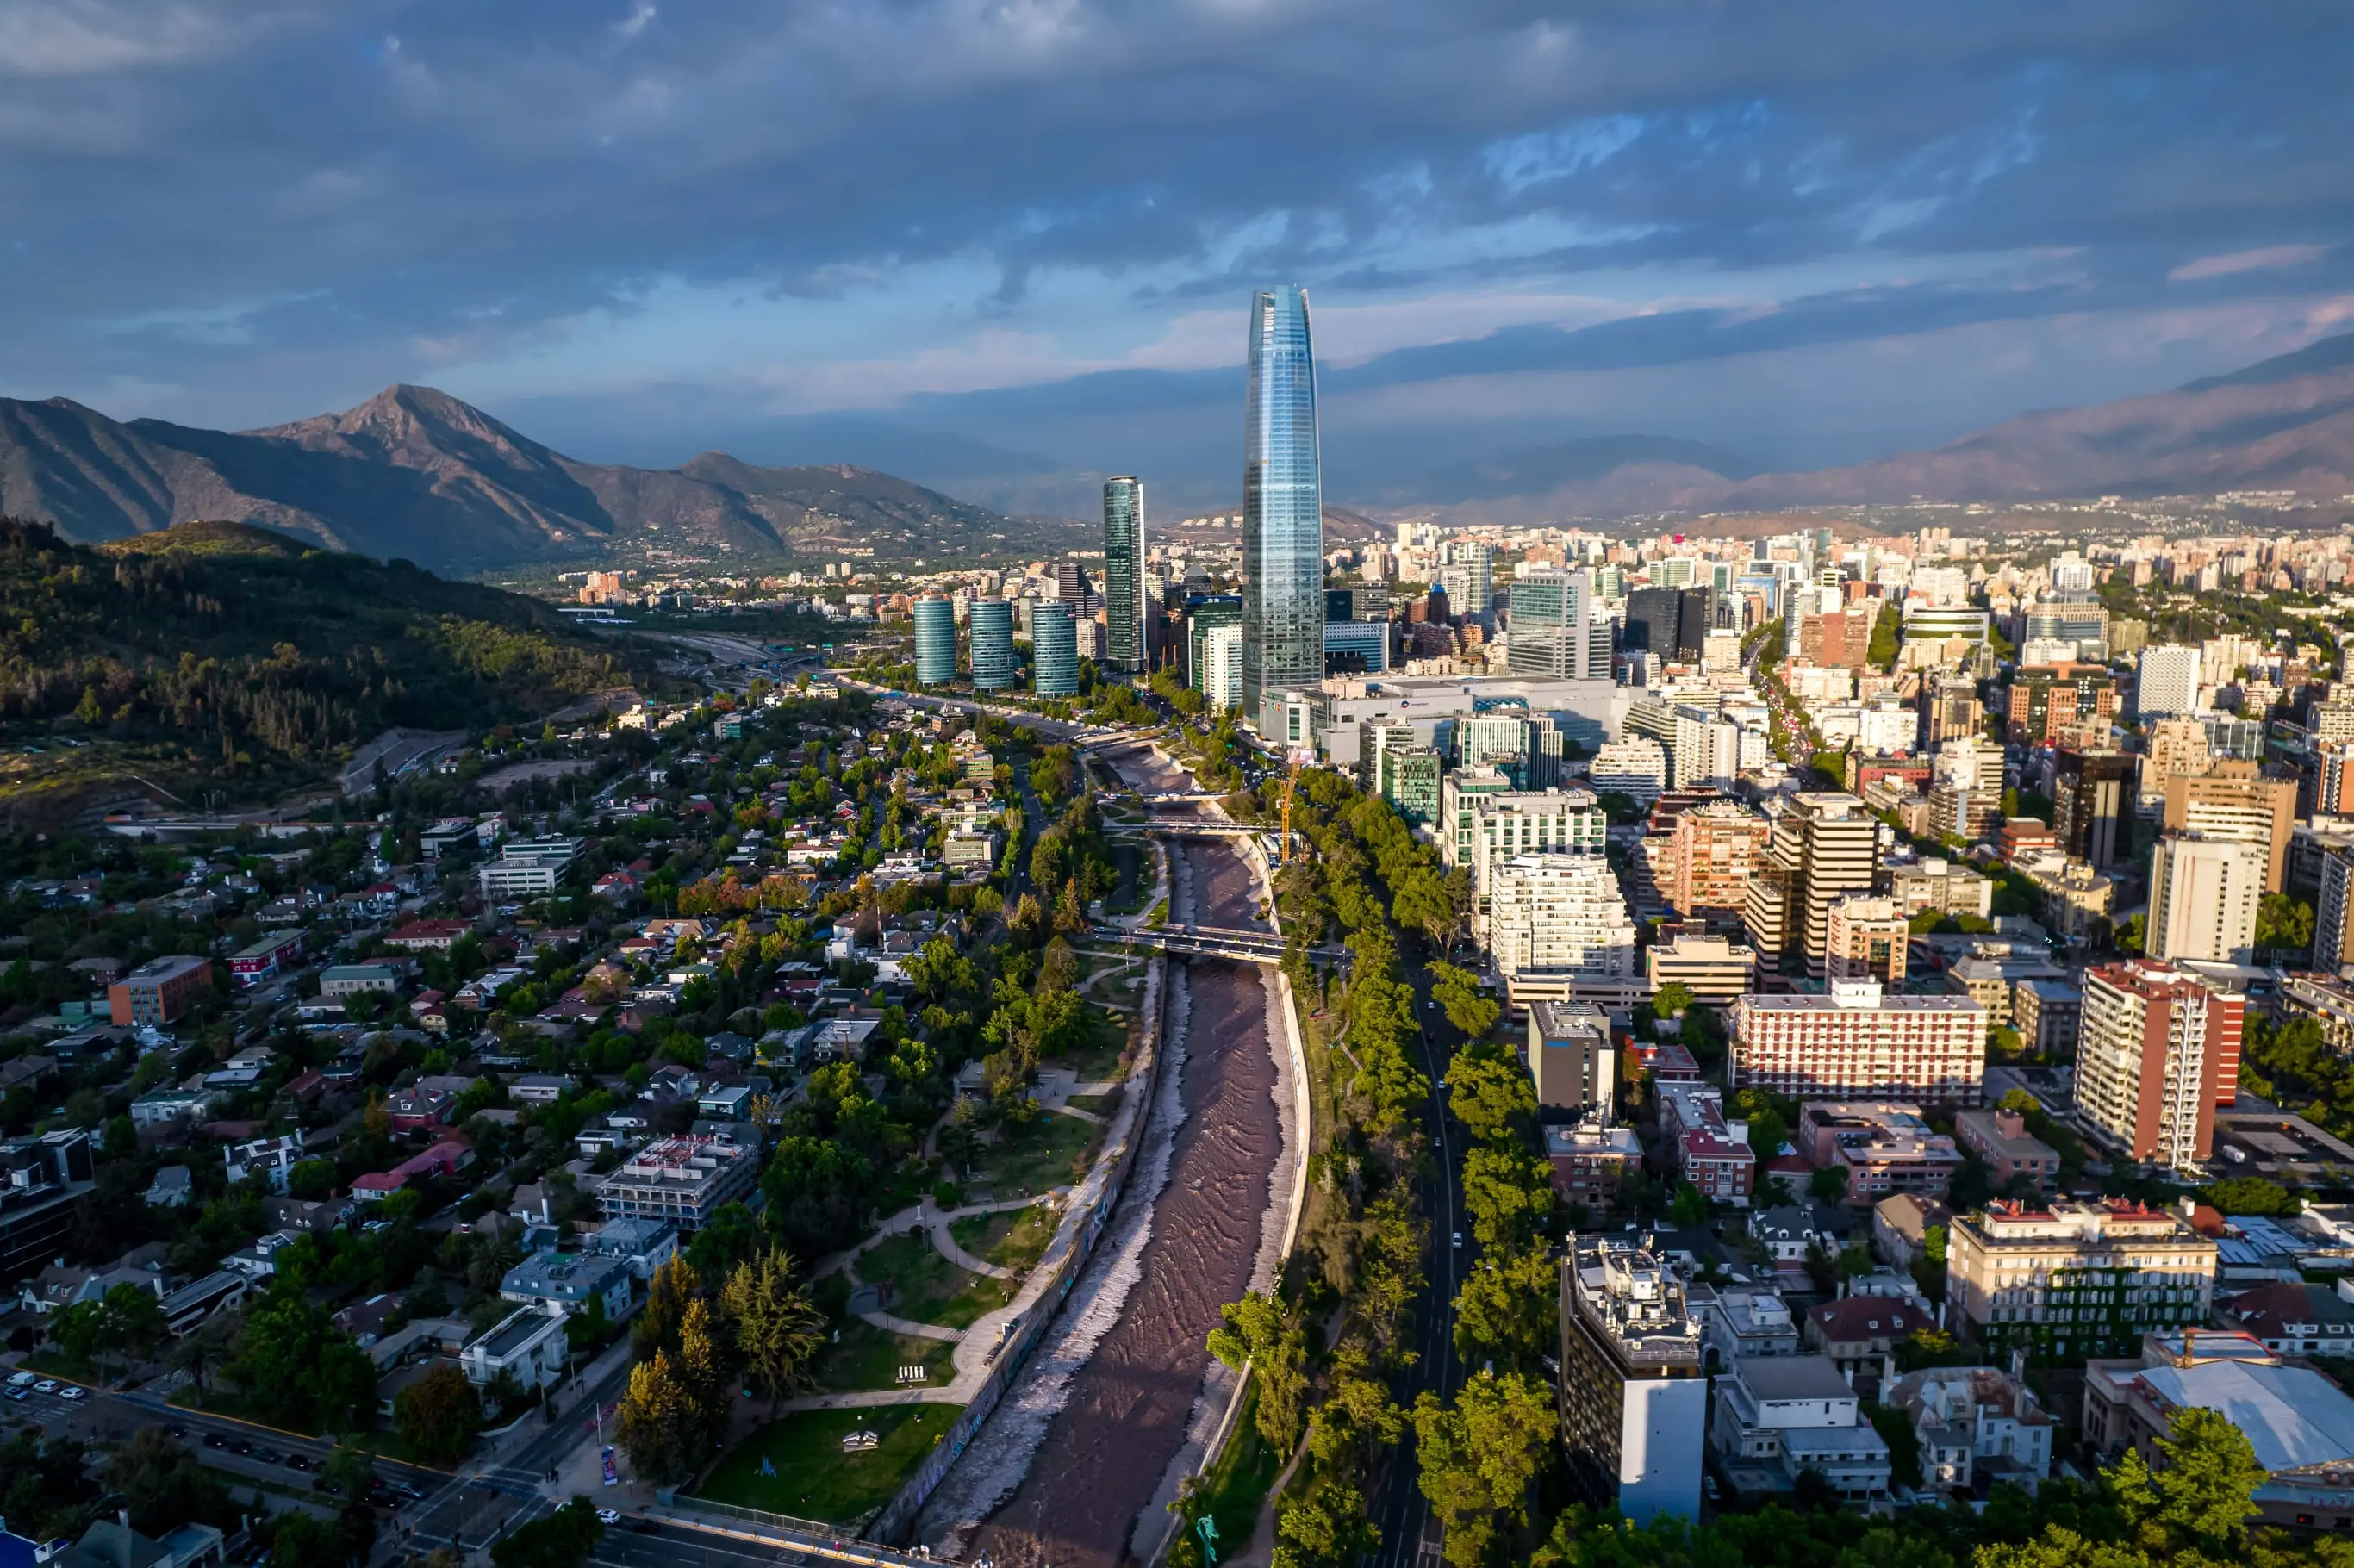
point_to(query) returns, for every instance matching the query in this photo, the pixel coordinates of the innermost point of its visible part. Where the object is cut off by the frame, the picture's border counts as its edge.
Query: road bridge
(1210, 942)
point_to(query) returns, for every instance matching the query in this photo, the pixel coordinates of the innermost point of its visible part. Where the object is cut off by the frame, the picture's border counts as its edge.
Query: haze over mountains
(416, 473)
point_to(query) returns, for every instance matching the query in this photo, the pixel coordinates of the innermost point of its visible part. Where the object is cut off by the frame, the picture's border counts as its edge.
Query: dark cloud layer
(241, 210)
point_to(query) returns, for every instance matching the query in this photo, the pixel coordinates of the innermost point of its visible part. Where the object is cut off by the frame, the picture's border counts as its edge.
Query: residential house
(1859, 1334)
(1779, 1416)
(642, 1245)
(1976, 1427)
(420, 1110)
(170, 1188)
(565, 1282)
(2295, 1319)
(529, 1343)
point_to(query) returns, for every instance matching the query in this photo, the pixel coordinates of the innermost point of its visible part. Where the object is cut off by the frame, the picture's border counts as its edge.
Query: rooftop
(2294, 1417)
(1791, 1377)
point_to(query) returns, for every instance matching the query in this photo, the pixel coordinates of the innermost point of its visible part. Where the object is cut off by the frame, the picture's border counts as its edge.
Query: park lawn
(1010, 1238)
(867, 1357)
(929, 1289)
(815, 1479)
(1051, 1152)
(1107, 1040)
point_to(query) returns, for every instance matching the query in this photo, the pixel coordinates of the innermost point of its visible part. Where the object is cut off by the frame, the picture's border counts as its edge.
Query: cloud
(2270, 257)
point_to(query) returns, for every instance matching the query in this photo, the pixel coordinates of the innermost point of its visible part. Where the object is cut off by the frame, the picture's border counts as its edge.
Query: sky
(1000, 238)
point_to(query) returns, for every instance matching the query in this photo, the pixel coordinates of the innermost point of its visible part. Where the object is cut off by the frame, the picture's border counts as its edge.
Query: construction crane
(1299, 758)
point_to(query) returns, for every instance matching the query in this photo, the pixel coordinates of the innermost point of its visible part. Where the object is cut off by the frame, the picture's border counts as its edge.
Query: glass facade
(992, 644)
(1283, 504)
(935, 641)
(1054, 651)
(1124, 575)
(1204, 614)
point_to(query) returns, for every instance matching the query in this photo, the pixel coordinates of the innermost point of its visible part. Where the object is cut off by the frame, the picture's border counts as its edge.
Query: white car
(46, 1385)
(609, 1516)
(22, 1380)
(71, 1391)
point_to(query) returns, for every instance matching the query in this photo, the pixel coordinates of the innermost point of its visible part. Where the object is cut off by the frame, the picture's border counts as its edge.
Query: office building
(1860, 1043)
(1866, 940)
(2232, 801)
(159, 992)
(1717, 971)
(1283, 504)
(1469, 582)
(43, 1178)
(682, 1180)
(936, 641)
(1408, 779)
(2069, 1280)
(1071, 587)
(2092, 806)
(1636, 767)
(2203, 894)
(1356, 647)
(1884, 1148)
(1123, 501)
(1054, 651)
(2067, 703)
(992, 644)
(529, 868)
(1838, 846)
(1219, 666)
(1955, 711)
(1710, 855)
(1570, 1058)
(1650, 626)
(1557, 627)
(1206, 613)
(2156, 1050)
(1558, 927)
(1634, 1402)
(2168, 681)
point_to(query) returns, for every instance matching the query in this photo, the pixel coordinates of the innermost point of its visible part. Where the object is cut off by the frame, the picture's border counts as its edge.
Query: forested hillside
(227, 649)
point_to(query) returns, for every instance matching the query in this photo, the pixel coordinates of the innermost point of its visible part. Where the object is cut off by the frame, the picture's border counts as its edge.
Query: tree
(162, 1483)
(726, 1239)
(1506, 1309)
(1489, 1093)
(1272, 1338)
(776, 1330)
(563, 1539)
(1458, 996)
(1827, 1185)
(440, 1413)
(1887, 630)
(674, 1283)
(312, 1179)
(704, 1372)
(1673, 1000)
(2251, 1195)
(207, 1347)
(657, 1423)
(1479, 1458)
(298, 1367)
(2284, 924)
(2202, 1496)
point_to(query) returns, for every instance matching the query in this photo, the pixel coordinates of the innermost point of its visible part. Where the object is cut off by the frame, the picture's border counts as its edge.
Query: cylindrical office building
(992, 644)
(1054, 651)
(935, 641)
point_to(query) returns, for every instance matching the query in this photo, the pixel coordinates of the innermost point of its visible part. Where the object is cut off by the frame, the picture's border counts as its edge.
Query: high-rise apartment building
(1711, 855)
(1636, 767)
(1491, 826)
(1204, 613)
(2070, 1281)
(1769, 911)
(1124, 648)
(1283, 504)
(1054, 651)
(1558, 927)
(2203, 894)
(1634, 1399)
(2172, 749)
(2156, 1050)
(936, 641)
(992, 644)
(1221, 666)
(1838, 850)
(2168, 681)
(2232, 801)
(1572, 1061)
(1470, 583)
(2332, 918)
(1860, 1043)
(1867, 939)
(2092, 806)
(1955, 711)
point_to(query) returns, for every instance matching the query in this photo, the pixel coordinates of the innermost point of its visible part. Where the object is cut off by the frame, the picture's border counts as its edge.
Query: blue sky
(1805, 232)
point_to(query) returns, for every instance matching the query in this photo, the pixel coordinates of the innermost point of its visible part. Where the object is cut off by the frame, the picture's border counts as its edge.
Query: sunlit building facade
(1283, 504)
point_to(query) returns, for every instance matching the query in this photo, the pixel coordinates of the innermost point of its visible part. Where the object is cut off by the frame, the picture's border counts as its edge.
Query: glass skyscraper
(992, 644)
(1283, 504)
(935, 641)
(1054, 651)
(1124, 575)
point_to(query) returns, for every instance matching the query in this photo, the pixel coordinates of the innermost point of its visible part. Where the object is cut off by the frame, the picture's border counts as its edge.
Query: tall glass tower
(1283, 504)
(1054, 651)
(935, 641)
(1124, 575)
(992, 643)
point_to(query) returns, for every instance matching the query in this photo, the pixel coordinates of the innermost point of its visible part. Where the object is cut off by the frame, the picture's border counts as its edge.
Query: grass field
(865, 1357)
(1051, 1152)
(1011, 1239)
(930, 1289)
(1099, 1058)
(815, 1479)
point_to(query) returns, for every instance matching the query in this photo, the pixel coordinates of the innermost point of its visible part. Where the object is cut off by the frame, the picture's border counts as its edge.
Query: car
(22, 1380)
(1708, 1489)
(298, 1461)
(609, 1516)
(72, 1391)
(46, 1385)
(642, 1525)
(179, 1431)
(1459, 1238)
(20, 1395)
(214, 1440)
(267, 1456)
(242, 1448)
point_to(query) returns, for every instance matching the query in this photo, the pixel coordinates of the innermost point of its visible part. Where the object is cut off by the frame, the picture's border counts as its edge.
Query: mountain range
(415, 474)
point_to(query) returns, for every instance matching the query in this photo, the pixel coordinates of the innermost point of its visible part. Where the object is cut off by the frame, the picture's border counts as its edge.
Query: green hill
(221, 656)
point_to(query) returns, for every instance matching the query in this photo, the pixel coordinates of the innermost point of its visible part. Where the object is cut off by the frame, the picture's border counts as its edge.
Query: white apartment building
(1222, 667)
(1636, 767)
(1860, 1043)
(2204, 896)
(1485, 830)
(1558, 928)
(2168, 681)
(529, 868)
